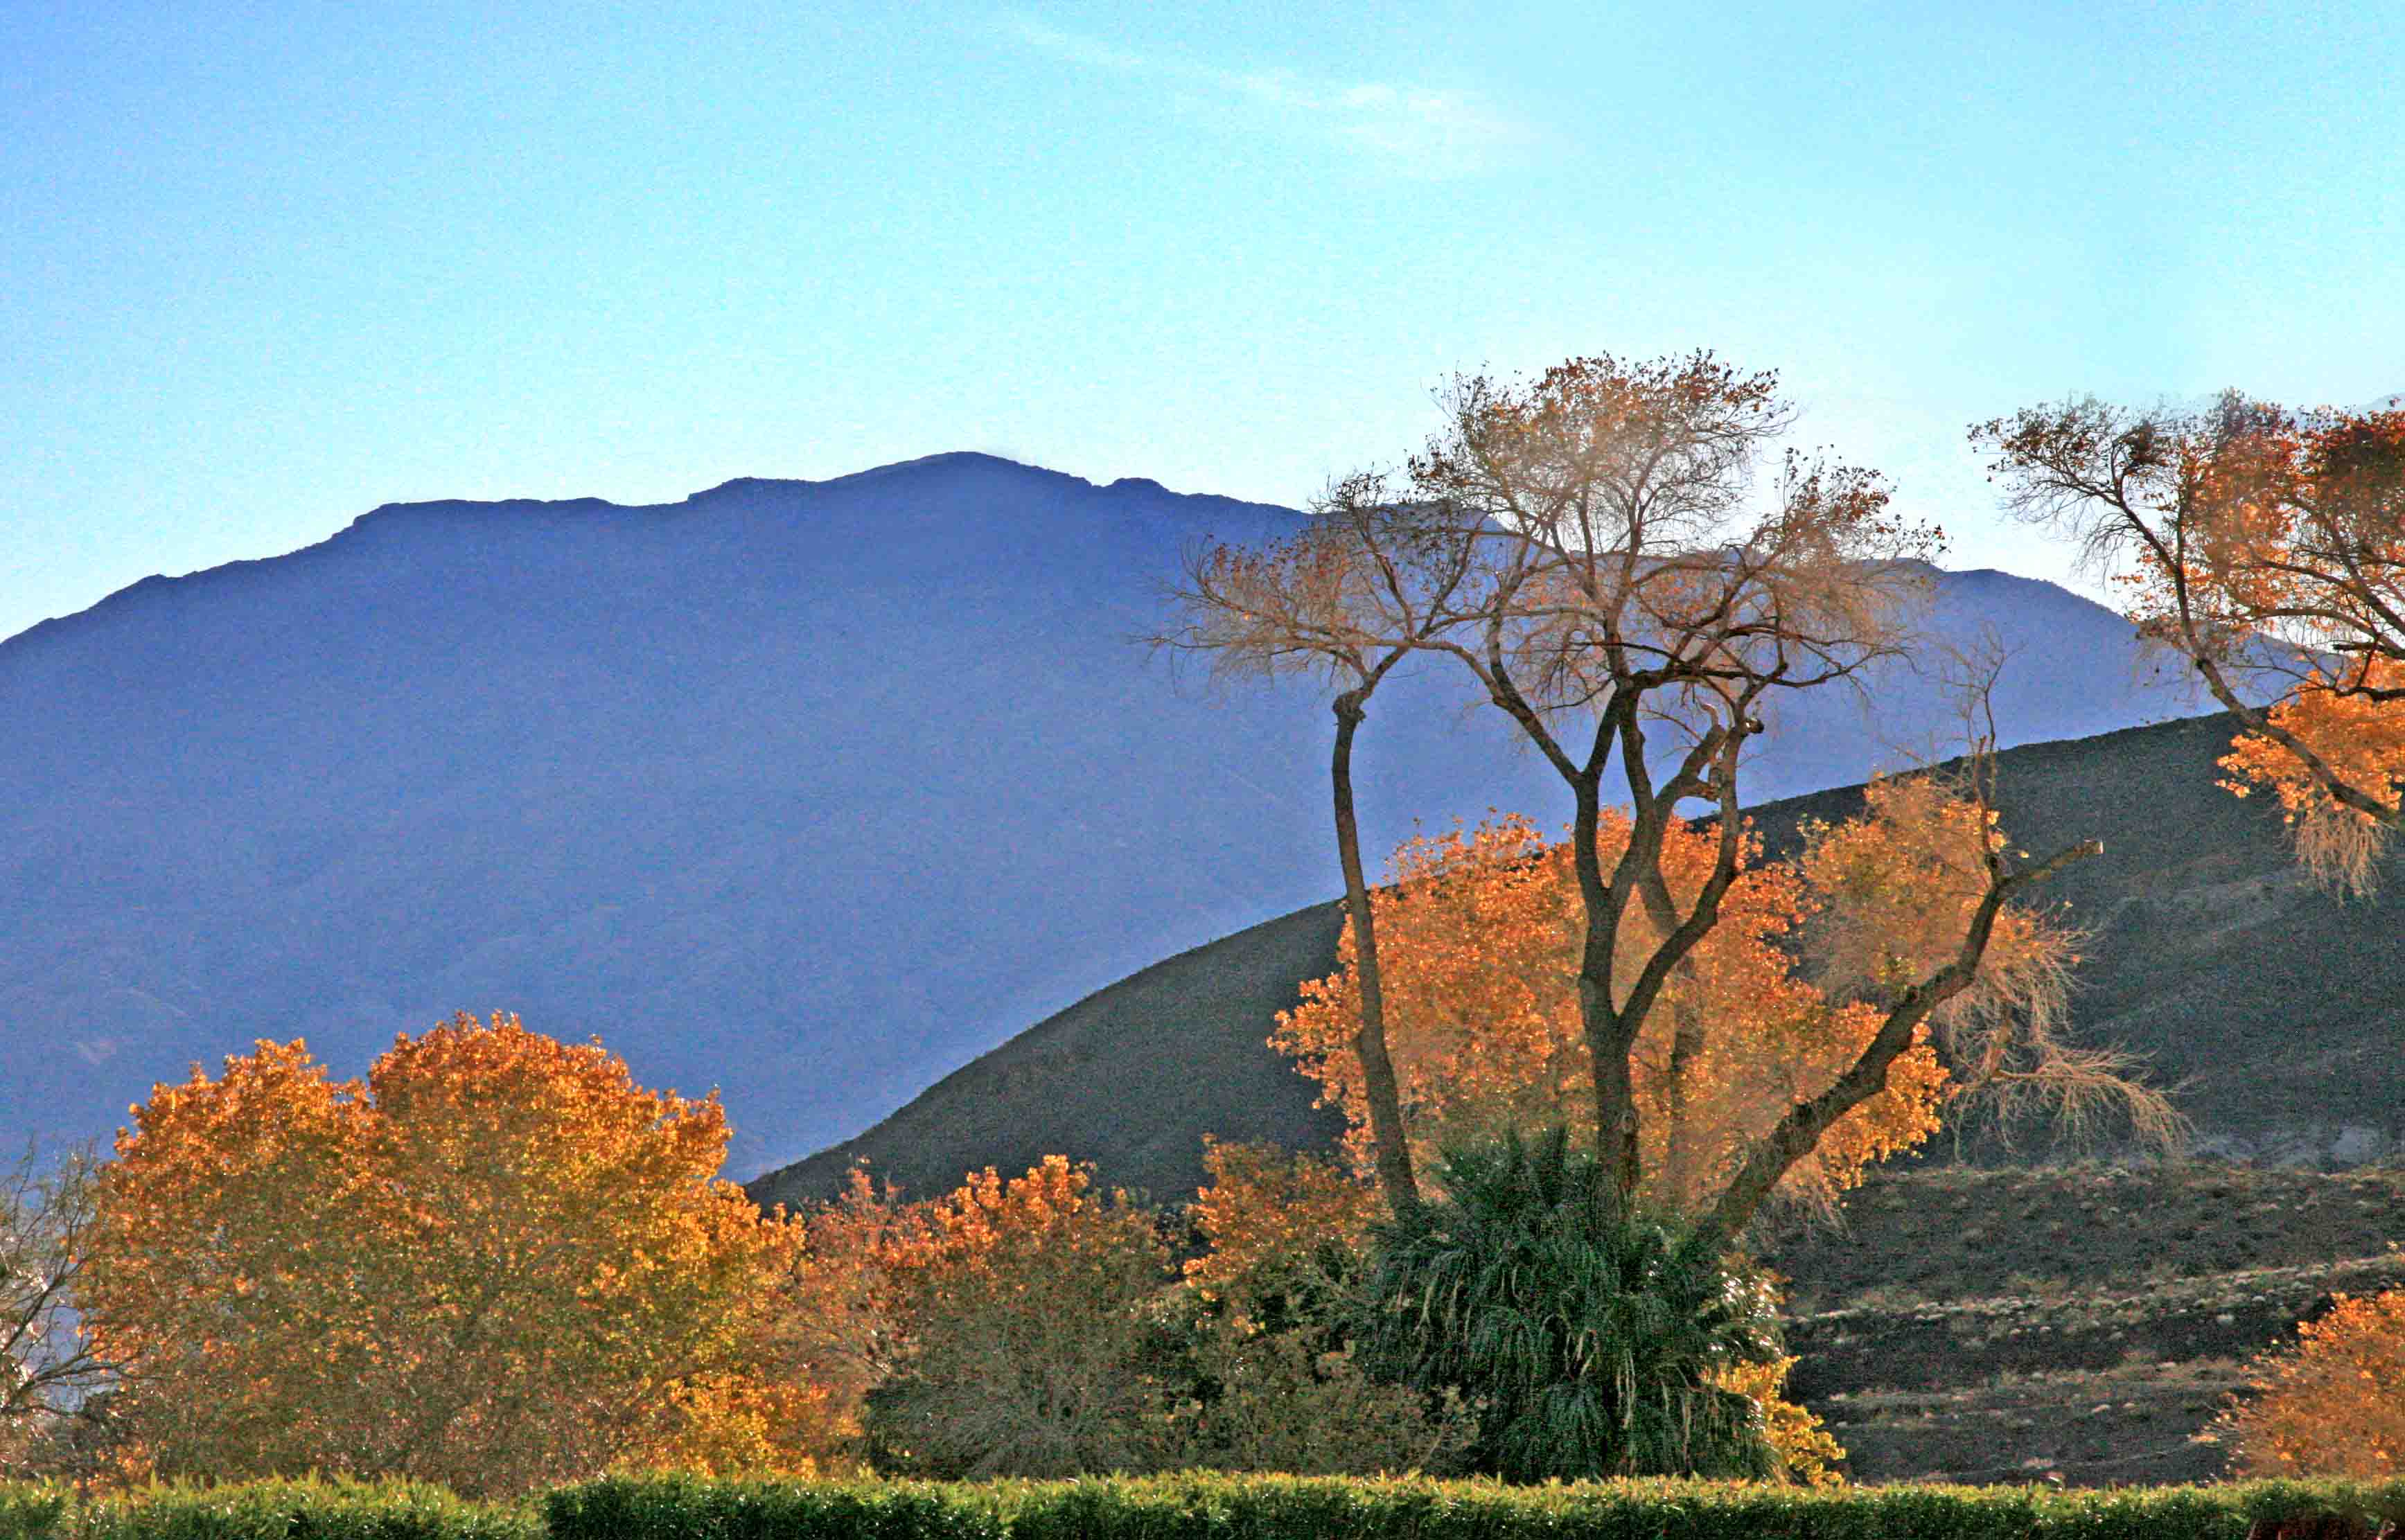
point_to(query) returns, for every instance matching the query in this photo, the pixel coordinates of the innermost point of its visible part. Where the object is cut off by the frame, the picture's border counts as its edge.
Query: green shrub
(33, 1510)
(1190, 1506)
(689, 1508)
(1591, 1339)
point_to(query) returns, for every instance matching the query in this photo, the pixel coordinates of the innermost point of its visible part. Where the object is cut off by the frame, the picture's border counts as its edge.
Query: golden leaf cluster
(2334, 1404)
(495, 1263)
(1478, 938)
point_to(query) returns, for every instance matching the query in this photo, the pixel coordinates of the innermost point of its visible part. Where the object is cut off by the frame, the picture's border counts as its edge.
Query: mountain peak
(387, 514)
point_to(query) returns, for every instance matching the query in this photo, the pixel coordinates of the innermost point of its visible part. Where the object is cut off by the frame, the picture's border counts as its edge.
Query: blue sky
(264, 267)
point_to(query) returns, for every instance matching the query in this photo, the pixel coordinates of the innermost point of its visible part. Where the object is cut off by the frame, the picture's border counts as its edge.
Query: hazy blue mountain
(809, 791)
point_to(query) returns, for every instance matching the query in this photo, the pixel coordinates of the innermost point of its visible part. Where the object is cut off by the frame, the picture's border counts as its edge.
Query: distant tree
(2266, 546)
(1636, 610)
(52, 1373)
(1370, 581)
(495, 1264)
(2331, 1404)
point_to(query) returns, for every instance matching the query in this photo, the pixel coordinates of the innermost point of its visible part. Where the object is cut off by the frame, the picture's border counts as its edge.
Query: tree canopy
(2266, 546)
(1632, 598)
(495, 1263)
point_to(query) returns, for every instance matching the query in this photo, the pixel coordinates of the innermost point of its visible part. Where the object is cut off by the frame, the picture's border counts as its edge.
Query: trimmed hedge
(261, 1510)
(1259, 1507)
(1183, 1508)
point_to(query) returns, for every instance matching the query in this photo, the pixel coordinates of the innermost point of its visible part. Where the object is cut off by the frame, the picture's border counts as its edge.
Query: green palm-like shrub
(1589, 1335)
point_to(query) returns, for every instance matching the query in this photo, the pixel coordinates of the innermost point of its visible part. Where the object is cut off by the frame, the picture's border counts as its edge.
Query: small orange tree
(495, 1264)
(2334, 1404)
(1268, 1379)
(1015, 1318)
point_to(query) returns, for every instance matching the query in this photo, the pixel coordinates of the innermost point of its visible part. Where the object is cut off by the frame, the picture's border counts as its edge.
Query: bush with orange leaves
(1265, 1373)
(496, 1264)
(2333, 1404)
(1031, 1326)
(1016, 1316)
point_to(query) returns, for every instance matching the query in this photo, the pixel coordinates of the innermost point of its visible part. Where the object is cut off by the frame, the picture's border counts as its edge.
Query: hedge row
(261, 1510)
(1185, 1507)
(1210, 1507)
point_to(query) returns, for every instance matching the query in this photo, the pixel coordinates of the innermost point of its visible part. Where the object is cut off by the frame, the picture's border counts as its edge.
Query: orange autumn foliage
(2298, 531)
(2358, 731)
(1479, 935)
(1012, 1317)
(497, 1262)
(2268, 546)
(1269, 1217)
(2333, 1404)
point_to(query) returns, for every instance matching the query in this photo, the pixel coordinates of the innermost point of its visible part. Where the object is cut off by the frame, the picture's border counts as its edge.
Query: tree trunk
(1615, 1087)
(1686, 1047)
(1394, 1154)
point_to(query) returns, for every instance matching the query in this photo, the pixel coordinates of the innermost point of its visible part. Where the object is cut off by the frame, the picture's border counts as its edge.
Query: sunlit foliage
(1483, 932)
(1019, 1320)
(2268, 546)
(495, 1263)
(2333, 1404)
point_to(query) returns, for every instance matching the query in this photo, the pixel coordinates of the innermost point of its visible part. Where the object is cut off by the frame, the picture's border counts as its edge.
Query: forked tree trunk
(1394, 1154)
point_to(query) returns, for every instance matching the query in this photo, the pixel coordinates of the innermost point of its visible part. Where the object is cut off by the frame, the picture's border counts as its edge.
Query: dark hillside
(2081, 1323)
(2274, 1004)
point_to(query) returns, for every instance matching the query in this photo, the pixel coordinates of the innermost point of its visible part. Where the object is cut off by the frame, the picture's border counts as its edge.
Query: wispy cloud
(1418, 129)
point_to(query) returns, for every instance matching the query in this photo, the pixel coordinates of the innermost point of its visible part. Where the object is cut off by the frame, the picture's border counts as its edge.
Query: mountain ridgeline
(814, 792)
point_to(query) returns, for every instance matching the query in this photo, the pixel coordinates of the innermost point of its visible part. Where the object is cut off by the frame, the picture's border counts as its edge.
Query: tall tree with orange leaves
(2266, 546)
(1638, 606)
(1483, 932)
(497, 1262)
